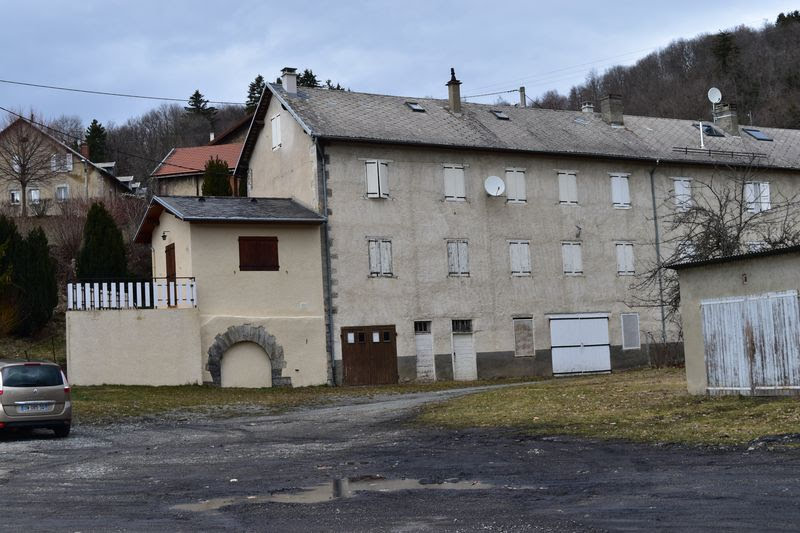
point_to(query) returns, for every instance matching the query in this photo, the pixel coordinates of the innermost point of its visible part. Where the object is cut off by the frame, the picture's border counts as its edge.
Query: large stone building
(433, 269)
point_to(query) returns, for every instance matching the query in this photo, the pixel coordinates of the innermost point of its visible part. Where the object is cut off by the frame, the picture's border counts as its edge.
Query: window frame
(617, 203)
(461, 272)
(31, 199)
(260, 267)
(18, 194)
(463, 184)
(624, 246)
(638, 331)
(574, 187)
(62, 186)
(572, 245)
(380, 243)
(687, 204)
(527, 246)
(757, 204)
(381, 177)
(467, 330)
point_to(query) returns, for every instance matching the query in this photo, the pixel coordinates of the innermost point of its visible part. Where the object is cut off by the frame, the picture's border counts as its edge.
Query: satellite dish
(714, 95)
(494, 186)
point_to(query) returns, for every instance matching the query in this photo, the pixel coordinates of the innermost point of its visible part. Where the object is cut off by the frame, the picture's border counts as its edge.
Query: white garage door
(580, 343)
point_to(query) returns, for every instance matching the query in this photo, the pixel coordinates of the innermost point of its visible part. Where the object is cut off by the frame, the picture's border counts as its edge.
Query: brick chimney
(289, 79)
(85, 150)
(726, 117)
(454, 92)
(611, 109)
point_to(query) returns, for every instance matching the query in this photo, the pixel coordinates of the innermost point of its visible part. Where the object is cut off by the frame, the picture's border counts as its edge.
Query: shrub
(102, 254)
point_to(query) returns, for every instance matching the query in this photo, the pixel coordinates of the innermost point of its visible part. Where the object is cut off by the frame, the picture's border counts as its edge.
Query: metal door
(369, 355)
(465, 366)
(579, 343)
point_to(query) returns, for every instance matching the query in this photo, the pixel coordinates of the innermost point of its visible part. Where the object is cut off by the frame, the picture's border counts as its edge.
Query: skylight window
(709, 130)
(757, 134)
(415, 107)
(500, 114)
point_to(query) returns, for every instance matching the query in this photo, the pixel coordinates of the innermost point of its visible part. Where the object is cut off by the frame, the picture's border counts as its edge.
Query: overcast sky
(170, 48)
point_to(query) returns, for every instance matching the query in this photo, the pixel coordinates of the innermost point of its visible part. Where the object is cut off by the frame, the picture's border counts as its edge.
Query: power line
(491, 94)
(122, 95)
(78, 139)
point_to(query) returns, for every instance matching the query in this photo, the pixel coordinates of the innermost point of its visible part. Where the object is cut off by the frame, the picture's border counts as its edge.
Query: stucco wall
(134, 347)
(178, 233)
(765, 274)
(180, 186)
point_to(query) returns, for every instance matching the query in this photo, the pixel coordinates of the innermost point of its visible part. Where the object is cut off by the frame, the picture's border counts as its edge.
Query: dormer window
(500, 115)
(414, 106)
(709, 130)
(757, 134)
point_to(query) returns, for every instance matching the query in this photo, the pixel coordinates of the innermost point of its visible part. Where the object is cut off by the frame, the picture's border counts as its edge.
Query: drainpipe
(326, 250)
(658, 254)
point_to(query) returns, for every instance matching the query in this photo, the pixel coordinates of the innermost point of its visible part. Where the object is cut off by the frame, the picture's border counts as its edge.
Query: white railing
(160, 293)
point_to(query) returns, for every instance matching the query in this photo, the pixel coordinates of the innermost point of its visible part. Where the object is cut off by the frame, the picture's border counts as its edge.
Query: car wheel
(62, 431)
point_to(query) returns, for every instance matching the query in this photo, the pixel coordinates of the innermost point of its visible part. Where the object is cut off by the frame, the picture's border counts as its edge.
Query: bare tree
(68, 129)
(27, 158)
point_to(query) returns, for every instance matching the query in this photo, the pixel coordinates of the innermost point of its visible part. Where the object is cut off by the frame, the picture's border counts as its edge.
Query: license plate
(35, 408)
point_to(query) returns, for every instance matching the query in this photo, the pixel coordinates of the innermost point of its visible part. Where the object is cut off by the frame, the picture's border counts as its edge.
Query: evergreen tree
(254, 91)
(11, 313)
(198, 105)
(216, 178)
(96, 140)
(38, 283)
(102, 254)
(307, 79)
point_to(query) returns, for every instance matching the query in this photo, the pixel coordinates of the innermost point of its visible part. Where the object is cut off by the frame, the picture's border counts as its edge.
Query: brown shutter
(258, 253)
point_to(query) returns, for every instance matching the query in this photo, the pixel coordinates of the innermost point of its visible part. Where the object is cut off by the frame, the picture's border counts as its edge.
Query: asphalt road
(362, 467)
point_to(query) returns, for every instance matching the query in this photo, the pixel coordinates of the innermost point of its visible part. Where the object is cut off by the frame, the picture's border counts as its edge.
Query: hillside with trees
(757, 69)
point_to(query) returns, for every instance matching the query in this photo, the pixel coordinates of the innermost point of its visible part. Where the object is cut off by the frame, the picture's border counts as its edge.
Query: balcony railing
(158, 293)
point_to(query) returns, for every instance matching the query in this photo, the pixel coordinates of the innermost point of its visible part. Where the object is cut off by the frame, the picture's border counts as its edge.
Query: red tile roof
(193, 159)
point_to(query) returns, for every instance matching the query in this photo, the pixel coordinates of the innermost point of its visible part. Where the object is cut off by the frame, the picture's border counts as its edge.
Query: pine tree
(102, 254)
(38, 283)
(254, 91)
(307, 79)
(11, 312)
(198, 105)
(96, 140)
(216, 178)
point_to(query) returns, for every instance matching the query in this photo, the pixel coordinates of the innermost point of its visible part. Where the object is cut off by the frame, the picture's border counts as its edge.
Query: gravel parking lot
(363, 465)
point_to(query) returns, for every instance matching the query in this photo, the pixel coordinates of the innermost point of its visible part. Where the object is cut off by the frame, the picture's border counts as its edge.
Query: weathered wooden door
(752, 344)
(369, 355)
(169, 252)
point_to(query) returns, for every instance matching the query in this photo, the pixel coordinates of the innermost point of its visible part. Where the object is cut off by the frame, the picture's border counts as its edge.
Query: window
(709, 130)
(62, 193)
(414, 106)
(462, 326)
(61, 162)
(276, 131)
(380, 257)
(756, 246)
(34, 196)
(757, 134)
(520, 258)
(258, 253)
(15, 197)
(377, 176)
(567, 188)
(620, 193)
(422, 327)
(571, 256)
(625, 259)
(457, 258)
(523, 337)
(515, 186)
(501, 115)
(630, 331)
(682, 193)
(756, 196)
(454, 189)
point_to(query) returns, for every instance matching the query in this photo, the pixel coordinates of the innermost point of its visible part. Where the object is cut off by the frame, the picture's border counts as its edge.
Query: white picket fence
(158, 294)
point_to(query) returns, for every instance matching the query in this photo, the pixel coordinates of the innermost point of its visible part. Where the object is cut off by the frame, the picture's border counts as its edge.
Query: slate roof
(738, 257)
(192, 159)
(225, 209)
(351, 116)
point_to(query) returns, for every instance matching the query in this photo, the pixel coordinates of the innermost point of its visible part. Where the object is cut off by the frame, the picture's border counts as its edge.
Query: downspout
(326, 250)
(658, 255)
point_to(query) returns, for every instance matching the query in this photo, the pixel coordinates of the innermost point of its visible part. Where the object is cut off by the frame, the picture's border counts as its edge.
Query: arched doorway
(247, 333)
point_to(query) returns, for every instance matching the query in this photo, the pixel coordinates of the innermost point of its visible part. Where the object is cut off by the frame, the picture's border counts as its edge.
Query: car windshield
(32, 376)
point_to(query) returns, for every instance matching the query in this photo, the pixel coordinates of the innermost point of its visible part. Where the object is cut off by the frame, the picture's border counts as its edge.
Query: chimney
(85, 150)
(522, 101)
(725, 117)
(211, 137)
(587, 107)
(289, 79)
(454, 92)
(611, 109)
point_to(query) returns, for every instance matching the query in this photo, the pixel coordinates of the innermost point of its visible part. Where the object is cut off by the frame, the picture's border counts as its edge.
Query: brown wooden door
(171, 275)
(369, 355)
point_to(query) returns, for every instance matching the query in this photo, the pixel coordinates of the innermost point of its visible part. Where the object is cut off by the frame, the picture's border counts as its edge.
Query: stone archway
(247, 333)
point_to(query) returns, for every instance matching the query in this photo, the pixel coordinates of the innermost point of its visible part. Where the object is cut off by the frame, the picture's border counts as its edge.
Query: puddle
(333, 490)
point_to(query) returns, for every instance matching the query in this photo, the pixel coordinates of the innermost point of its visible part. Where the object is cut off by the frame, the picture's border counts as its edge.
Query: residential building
(181, 171)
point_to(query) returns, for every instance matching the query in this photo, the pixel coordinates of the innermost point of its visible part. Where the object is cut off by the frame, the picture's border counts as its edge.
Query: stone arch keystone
(247, 333)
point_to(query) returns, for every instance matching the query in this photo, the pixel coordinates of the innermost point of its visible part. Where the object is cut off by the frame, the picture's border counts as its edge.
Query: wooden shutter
(624, 190)
(373, 190)
(577, 258)
(452, 257)
(454, 183)
(383, 179)
(374, 258)
(258, 253)
(567, 188)
(463, 257)
(511, 185)
(766, 204)
(386, 257)
(276, 131)
(520, 258)
(751, 196)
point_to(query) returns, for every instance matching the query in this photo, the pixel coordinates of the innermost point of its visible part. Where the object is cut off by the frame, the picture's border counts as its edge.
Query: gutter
(658, 254)
(322, 180)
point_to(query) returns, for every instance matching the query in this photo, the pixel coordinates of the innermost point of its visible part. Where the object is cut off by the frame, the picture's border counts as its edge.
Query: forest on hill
(757, 69)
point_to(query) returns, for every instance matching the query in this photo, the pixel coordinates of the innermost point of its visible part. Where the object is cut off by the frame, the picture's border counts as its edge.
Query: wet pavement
(364, 467)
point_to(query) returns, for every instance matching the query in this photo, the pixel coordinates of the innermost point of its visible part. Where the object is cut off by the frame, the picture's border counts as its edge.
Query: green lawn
(644, 406)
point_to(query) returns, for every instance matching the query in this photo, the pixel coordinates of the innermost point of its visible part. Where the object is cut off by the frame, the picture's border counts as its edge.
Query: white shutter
(515, 185)
(372, 179)
(751, 196)
(452, 257)
(461, 191)
(463, 258)
(577, 259)
(383, 179)
(615, 192)
(629, 259)
(454, 183)
(620, 258)
(513, 249)
(567, 188)
(625, 192)
(511, 186)
(766, 204)
(53, 163)
(572, 180)
(620, 195)
(276, 131)
(386, 258)
(683, 193)
(566, 257)
(374, 258)
(68, 162)
(523, 258)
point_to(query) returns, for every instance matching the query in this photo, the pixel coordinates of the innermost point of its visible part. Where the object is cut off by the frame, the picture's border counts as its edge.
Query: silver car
(34, 395)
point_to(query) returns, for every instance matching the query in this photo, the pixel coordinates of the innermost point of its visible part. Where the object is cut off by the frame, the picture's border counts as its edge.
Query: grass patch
(104, 404)
(642, 406)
